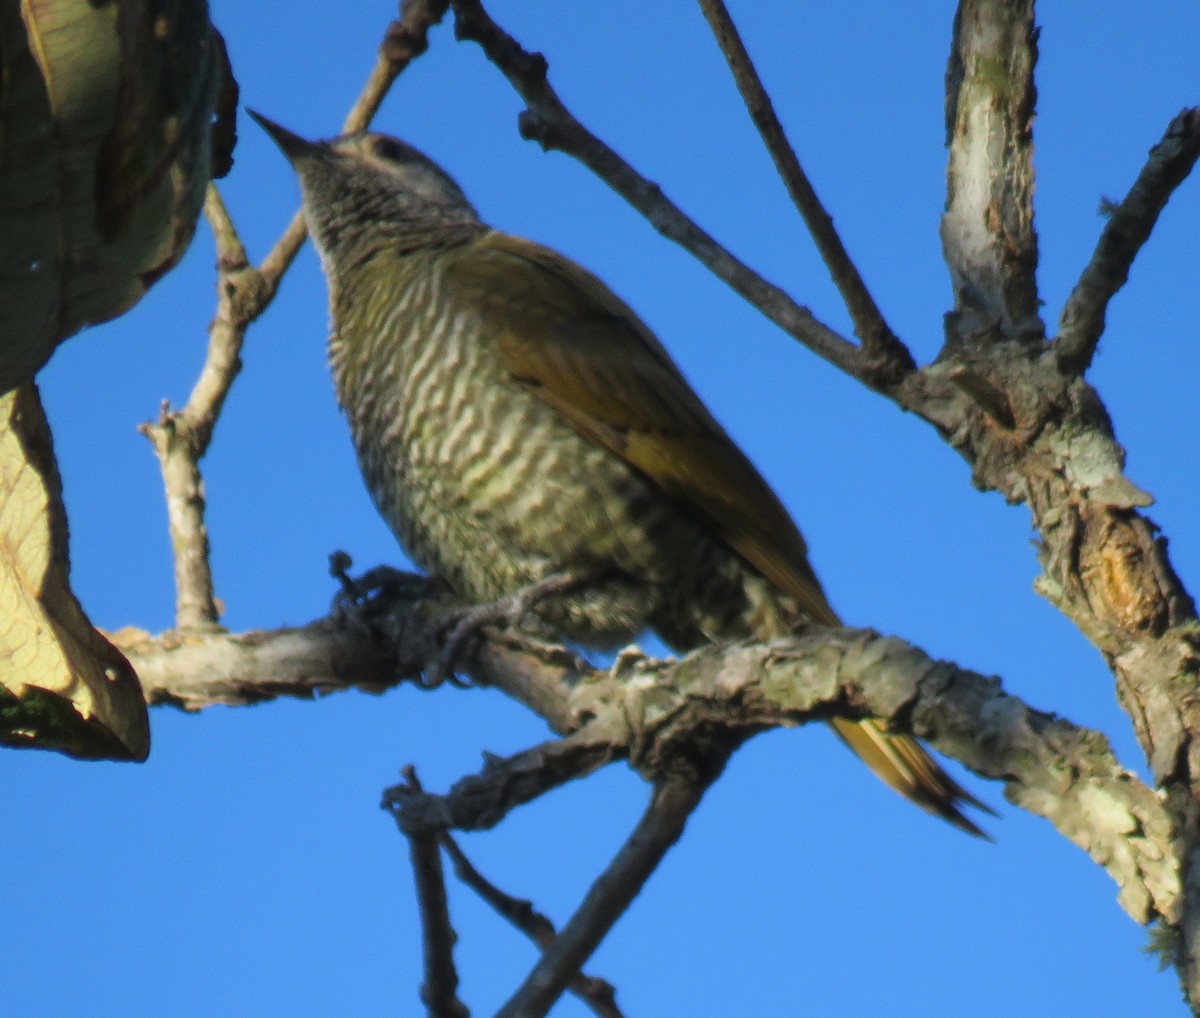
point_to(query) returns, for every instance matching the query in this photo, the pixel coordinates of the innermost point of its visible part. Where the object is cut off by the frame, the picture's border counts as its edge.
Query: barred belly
(489, 488)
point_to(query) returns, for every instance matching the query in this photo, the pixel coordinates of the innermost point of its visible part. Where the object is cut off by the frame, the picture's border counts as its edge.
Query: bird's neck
(374, 296)
(364, 261)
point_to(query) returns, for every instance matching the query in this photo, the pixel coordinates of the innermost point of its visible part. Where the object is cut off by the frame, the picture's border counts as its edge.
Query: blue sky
(245, 869)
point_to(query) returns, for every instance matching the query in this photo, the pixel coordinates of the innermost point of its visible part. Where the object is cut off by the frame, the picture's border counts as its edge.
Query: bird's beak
(292, 145)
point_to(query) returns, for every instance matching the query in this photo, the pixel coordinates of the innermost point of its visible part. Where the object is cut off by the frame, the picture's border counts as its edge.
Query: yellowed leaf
(62, 685)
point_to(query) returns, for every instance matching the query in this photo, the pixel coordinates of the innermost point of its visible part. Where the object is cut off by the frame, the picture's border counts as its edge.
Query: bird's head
(368, 186)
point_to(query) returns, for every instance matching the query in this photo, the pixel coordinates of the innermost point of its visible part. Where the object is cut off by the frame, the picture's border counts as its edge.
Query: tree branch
(653, 713)
(987, 230)
(181, 438)
(1128, 228)
(671, 804)
(480, 801)
(388, 642)
(597, 994)
(552, 125)
(439, 992)
(890, 358)
(1039, 434)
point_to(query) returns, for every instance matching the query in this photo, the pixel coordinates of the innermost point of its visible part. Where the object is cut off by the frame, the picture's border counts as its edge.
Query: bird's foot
(361, 601)
(464, 624)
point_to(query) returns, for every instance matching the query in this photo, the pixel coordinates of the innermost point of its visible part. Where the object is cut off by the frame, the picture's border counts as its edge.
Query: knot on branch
(987, 396)
(548, 134)
(245, 292)
(407, 38)
(884, 362)
(472, 24)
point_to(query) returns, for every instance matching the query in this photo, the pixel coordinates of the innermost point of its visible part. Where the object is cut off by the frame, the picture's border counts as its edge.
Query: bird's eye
(388, 148)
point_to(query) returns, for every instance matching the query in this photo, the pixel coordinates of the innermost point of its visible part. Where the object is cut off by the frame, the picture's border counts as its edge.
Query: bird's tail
(899, 760)
(905, 764)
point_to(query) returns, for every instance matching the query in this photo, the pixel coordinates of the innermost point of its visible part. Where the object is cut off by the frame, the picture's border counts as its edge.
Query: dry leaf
(62, 685)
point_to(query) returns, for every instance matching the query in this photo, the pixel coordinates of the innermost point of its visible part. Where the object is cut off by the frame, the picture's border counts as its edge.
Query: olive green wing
(567, 337)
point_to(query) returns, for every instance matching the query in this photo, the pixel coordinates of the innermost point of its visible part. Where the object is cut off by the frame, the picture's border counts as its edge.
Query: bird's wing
(570, 340)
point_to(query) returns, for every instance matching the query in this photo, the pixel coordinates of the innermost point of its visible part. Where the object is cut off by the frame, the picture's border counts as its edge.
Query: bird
(517, 424)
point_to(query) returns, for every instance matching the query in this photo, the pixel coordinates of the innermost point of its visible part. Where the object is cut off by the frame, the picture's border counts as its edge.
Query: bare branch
(598, 994)
(1128, 228)
(389, 645)
(439, 992)
(195, 602)
(480, 801)
(193, 671)
(237, 287)
(552, 125)
(671, 804)
(1051, 767)
(279, 259)
(648, 711)
(483, 800)
(987, 230)
(1106, 565)
(181, 438)
(880, 345)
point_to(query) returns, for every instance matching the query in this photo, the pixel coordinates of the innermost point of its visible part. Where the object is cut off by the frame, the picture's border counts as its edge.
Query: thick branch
(880, 345)
(647, 711)
(193, 671)
(1128, 228)
(987, 230)
(1040, 434)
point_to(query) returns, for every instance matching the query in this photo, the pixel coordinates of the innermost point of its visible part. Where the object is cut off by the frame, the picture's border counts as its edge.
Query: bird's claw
(355, 605)
(462, 625)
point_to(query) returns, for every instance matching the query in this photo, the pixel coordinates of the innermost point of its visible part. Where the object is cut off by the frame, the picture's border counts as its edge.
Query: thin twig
(1128, 228)
(553, 126)
(480, 801)
(890, 357)
(181, 438)
(236, 291)
(596, 993)
(671, 804)
(439, 991)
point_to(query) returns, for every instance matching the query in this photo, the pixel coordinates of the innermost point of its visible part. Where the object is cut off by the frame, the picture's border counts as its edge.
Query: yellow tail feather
(904, 764)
